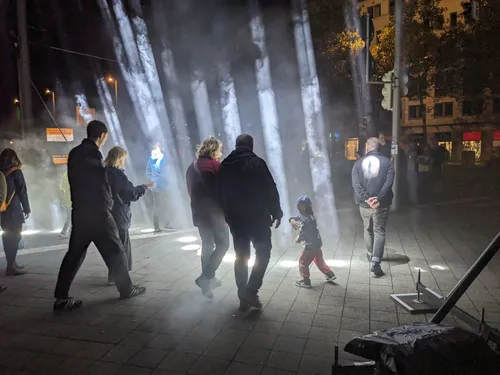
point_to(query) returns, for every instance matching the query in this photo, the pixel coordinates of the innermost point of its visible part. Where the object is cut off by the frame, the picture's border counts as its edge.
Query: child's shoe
(330, 276)
(304, 283)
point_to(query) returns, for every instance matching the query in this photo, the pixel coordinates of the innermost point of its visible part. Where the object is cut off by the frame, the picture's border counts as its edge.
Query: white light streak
(191, 247)
(202, 106)
(187, 239)
(229, 105)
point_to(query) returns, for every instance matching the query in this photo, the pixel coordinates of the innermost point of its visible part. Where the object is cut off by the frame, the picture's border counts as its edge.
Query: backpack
(5, 205)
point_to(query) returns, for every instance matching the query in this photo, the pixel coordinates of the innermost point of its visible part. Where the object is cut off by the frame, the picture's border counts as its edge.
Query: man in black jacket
(92, 220)
(251, 204)
(372, 179)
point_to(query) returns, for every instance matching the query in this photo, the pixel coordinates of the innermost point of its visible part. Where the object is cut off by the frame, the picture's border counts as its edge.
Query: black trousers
(244, 233)
(11, 237)
(104, 234)
(214, 245)
(127, 248)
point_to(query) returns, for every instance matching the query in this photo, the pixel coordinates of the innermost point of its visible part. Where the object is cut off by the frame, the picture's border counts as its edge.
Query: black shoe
(13, 271)
(244, 306)
(253, 300)
(136, 291)
(377, 270)
(19, 266)
(330, 277)
(158, 231)
(204, 284)
(67, 304)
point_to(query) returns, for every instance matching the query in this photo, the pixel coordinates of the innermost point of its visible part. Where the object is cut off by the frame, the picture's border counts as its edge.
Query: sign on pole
(60, 159)
(59, 134)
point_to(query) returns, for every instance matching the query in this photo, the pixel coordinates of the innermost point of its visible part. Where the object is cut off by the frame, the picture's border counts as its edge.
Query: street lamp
(16, 101)
(111, 79)
(49, 92)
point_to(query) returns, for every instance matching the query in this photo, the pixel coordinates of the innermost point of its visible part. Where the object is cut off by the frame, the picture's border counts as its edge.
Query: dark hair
(9, 158)
(95, 129)
(244, 140)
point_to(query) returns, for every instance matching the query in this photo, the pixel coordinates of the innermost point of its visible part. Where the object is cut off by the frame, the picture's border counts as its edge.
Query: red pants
(307, 257)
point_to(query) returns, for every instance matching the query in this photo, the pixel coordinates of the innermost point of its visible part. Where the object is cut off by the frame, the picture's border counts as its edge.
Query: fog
(242, 67)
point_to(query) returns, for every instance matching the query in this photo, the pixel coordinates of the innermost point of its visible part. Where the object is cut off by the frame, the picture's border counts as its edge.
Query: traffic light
(387, 90)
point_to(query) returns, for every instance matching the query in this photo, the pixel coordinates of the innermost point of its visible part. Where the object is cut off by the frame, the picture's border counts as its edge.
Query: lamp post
(49, 92)
(111, 79)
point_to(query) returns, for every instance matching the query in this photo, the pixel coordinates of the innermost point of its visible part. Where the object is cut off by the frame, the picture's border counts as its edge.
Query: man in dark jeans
(92, 220)
(251, 205)
(372, 179)
(207, 214)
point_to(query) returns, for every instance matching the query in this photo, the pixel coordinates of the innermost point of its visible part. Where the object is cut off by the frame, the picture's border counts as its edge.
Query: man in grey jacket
(372, 179)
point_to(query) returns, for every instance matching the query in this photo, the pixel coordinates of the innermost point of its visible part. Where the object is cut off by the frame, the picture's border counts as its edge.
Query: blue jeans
(214, 245)
(374, 223)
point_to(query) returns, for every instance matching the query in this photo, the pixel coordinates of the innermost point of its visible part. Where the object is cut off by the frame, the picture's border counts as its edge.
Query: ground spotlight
(187, 239)
(29, 232)
(56, 230)
(438, 267)
(191, 247)
(289, 263)
(148, 230)
(337, 263)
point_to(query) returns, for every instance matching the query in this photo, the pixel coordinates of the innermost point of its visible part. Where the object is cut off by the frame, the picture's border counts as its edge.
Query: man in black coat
(92, 220)
(251, 204)
(372, 179)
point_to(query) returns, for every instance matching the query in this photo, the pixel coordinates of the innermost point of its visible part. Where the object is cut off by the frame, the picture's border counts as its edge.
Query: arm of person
(22, 191)
(128, 192)
(389, 180)
(273, 197)
(357, 185)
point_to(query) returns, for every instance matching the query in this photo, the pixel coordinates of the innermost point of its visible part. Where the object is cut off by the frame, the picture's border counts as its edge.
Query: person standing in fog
(123, 192)
(66, 203)
(207, 214)
(92, 220)
(17, 210)
(251, 205)
(156, 171)
(372, 179)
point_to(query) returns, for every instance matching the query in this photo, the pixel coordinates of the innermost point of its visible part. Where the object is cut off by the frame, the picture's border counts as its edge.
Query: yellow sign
(84, 115)
(60, 159)
(59, 134)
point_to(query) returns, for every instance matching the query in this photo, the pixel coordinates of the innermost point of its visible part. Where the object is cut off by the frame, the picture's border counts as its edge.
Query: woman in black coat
(124, 192)
(17, 211)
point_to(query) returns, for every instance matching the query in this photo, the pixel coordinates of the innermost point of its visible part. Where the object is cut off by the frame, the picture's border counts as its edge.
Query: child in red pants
(309, 235)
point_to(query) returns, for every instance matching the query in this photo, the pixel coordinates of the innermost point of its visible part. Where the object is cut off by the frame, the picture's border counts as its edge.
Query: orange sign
(84, 115)
(60, 159)
(59, 134)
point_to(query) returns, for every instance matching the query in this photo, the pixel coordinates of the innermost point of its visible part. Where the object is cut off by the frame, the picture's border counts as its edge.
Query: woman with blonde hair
(201, 182)
(123, 192)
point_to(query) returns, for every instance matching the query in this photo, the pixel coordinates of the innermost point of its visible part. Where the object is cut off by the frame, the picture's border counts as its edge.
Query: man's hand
(275, 220)
(26, 216)
(151, 185)
(295, 224)
(373, 202)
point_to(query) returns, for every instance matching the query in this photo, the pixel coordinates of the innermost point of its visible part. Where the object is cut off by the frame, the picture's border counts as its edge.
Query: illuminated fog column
(313, 117)
(229, 104)
(268, 113)
(202, 106)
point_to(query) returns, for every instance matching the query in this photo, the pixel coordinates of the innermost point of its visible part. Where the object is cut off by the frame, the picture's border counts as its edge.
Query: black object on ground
(427, 348)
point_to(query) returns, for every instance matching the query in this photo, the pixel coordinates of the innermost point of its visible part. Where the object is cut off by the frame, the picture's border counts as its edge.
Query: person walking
(66, 203)
(156, 171)
(92, 220)
(207, 214)
(17, 209)
(123, 193)
(372, 180)
(251, 205)
(309, 236)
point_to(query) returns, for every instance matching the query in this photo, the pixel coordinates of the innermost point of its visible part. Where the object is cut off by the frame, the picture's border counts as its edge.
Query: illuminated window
(474, 146)
(351, 148)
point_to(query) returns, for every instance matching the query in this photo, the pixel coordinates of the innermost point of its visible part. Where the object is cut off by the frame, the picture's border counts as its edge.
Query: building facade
(468, 128)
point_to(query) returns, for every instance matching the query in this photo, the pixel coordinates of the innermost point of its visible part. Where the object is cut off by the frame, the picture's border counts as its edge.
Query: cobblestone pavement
(174, 330)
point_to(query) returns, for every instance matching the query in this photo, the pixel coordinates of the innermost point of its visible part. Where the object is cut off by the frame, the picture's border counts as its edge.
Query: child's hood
(304, 199)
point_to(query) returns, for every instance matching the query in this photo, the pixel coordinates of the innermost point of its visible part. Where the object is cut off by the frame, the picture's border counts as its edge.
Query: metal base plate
(409, 302)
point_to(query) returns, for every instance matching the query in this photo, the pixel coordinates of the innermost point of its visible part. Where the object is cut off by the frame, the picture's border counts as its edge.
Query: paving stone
(284, 360)
(73, 366)
(221, 349)
(178, 362)
(252, 355)
(134, 370)
(238, 368)
(311, 364)
(103, 368)
(138, 338)
(261, 340)
(163, 341)
(209, 366)
(45, 364)
(192, 345)
(295, 330)
(148, 357)
(289, 344)
(120, 354)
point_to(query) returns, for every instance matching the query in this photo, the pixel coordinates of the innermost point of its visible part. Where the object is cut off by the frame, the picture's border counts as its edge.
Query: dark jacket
(201, 184)
(91, 197)
(123, 192)
(246, 189)
(309, 233)
(20, 205)
(373, 176)
(157, 173)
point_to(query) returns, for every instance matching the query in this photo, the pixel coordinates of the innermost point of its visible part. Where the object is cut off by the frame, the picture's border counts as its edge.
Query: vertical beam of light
(314, 124)
(229, 105)
(268, 112)
(144, 101)
(81, 102)
(202, 105)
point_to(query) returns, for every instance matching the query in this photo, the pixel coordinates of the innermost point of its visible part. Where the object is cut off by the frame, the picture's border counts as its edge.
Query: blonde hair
(116, 157)
(211, 147)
